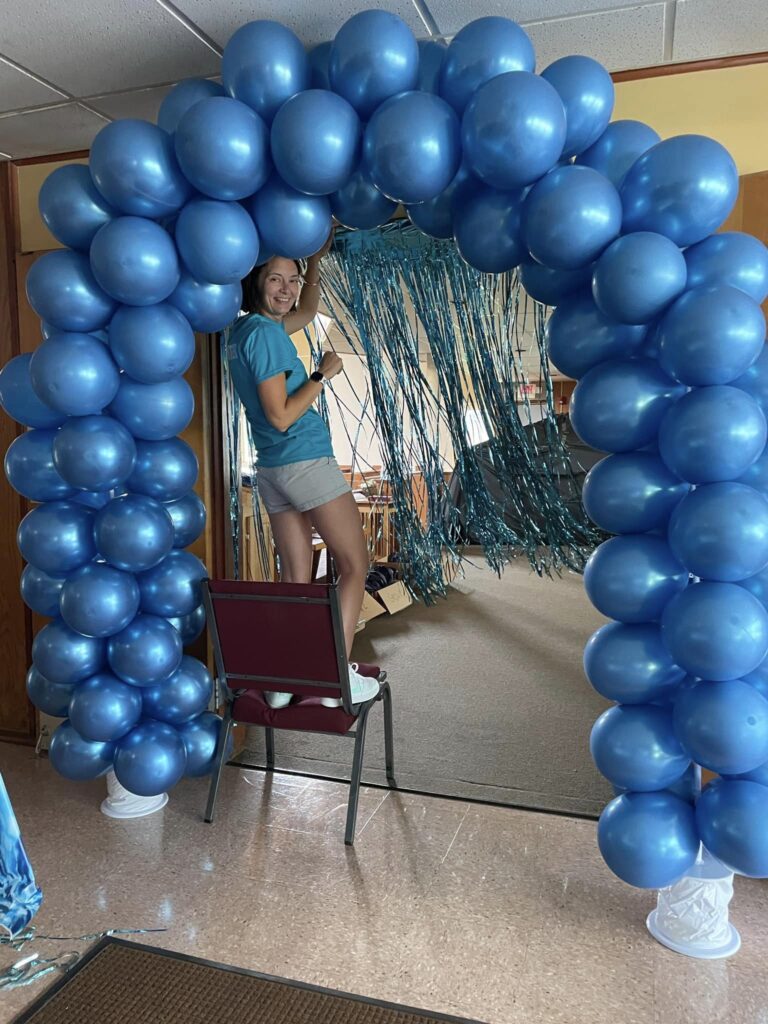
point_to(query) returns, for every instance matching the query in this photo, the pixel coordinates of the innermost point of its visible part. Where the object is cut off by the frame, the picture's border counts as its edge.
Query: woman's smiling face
(281, 287)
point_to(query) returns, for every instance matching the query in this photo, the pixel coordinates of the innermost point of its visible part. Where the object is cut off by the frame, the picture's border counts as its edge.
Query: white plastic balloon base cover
(120, 803)
(691, 916)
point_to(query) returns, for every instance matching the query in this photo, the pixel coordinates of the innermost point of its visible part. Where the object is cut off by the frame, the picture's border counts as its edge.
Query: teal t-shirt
(258, 349)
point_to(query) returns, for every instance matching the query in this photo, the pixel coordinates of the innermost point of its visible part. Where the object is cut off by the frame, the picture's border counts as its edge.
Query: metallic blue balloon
(223, 148)
(99, 600)
(290, 223)
(649, 840)
(757, 584)
(74, 374)
(188, 515)
(359, 204)
(94, 453)
(553, 286)
(758, 678)
(480, 51)
(435, 216)
(513, 130)
(76, 758)
(18, 398)
(723, 726)
(217, 241)
(620, 145)
(182, 697)
(431, 57)
(172, 587)
(182, 97)
(92, 499)
(412, 147)
(200, 737)
(152, 343)
(732, 258)
(72, 207)
(147, 651)
(50, 698)
(319, 57)
(684, 188)
(263, 65)
(633, 578)
(635, 747)
(579, 336)
(104, 708)
(716, 631)
(165, 470)
(150, 759)
(62, 290)
(374, 56)
(486, 226)
(315, 140)
(720, 532)
(64, 656)
(133, 532)
(638, 276)
(134, 260)
(191, 626)
(154, 412)
(40, 591)
(629, 663)
(30, 468)
(731, 817)
(57, 537)
(134, 167)
(755, 380)
(617, 406)
(586, 90)
(632, 492)
(759, 774)
(712, 434)
(208, 307)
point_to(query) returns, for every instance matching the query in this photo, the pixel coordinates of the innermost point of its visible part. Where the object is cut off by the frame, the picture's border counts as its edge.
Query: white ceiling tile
(59, 129)
(451, 15)
(712, 28)
(98, 46)
(141, 103)
(19, 90)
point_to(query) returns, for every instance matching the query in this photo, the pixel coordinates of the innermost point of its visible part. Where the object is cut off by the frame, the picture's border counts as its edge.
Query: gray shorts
(300, 485)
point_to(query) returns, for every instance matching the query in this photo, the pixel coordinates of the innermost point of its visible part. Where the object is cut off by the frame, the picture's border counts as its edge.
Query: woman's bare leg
(292, 534)
(338, 523)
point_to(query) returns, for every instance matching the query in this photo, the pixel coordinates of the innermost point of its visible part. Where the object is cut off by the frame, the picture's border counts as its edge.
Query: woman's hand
(330, 365)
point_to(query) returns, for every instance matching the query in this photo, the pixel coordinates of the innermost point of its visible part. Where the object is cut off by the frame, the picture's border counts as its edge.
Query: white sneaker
(277, 700)
(362, 688)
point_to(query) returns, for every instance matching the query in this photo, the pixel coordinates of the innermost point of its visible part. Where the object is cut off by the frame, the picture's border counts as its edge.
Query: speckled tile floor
(486, 912)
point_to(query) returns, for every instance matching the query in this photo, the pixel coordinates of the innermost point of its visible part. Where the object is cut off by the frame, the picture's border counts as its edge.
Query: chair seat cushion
(303, 713)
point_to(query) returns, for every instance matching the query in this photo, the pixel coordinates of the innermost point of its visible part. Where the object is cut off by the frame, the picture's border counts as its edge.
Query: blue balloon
(172, 587)
(374, 56)
(18, 398)
(486, 227)
(94, 453)
(76, 758)
(134, 260)
(263, 65)
(62, 290)
(759, 774)
(50, 698)
(648, 839)
(147, 651)
(191, 626)
(30, 468)
(480, 51)
(732, 258)
(723, 726)
(188, 515)
(635, 747)
(628, 663)
(57, 537)
(637, 277)
(154, 412)
(683, 187)
(104, 708)
(182, 697)
(431, 58)
(620, 145)
(716, 631)
(731, 817)
(134, 167)
(633, 578)
(165, 470)
(133, 532)
(72, 207)
(579, 336)
(64, 656)
(200, 737)
(152, 344)
(208, 307)
(617, 406)
(217, 241)
(359, 204)
(586, 90)
(551, 286)
(99, 600)
(316, 142)
(755, 380)
(435, 216)
(513, 130)
(150, 759)
(759, 677)
(182, 97)
(74, 374)
(712, 434)
(41, 591)
(223, 148)
(632, 492)
(570, 216)
(757, 584)
(290, 223)
(319, 57)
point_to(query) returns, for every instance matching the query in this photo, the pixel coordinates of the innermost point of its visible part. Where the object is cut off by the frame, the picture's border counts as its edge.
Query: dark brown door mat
(120, 982)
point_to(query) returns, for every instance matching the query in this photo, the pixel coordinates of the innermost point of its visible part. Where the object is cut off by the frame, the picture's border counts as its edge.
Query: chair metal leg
(220, 758)
(389, 744)
(354, 784)
(270, 737)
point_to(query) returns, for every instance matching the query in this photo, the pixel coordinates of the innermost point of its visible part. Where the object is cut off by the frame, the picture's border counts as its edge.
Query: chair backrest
(286, 637)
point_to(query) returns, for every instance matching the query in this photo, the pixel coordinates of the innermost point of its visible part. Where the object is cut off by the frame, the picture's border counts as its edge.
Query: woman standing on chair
(299, 480)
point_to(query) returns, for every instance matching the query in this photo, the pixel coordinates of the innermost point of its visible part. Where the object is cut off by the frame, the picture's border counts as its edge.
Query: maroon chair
(287, 637)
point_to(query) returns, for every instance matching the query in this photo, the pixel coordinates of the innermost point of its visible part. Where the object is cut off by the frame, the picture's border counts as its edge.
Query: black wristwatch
(317, 377)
